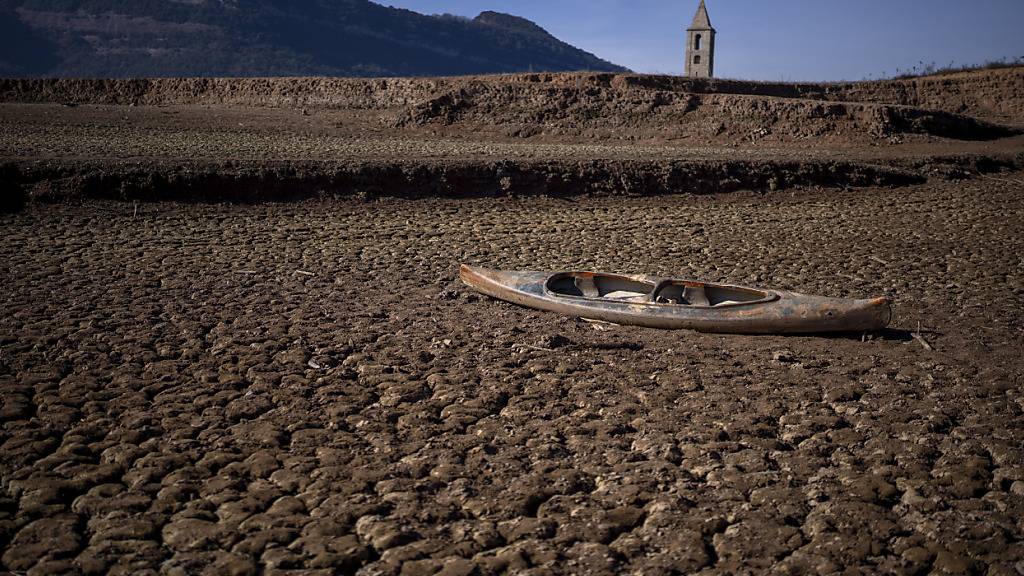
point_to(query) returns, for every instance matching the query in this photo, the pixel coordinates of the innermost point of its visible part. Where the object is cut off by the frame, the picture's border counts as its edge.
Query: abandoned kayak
(671, 303)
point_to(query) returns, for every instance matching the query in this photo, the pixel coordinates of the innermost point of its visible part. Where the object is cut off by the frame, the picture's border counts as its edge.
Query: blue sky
(775, 39)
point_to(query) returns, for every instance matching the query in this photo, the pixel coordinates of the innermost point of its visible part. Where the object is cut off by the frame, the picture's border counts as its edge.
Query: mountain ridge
(208, 38)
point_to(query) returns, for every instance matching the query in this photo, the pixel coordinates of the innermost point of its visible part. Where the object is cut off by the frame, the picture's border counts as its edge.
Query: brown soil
(235, 389)
(239, 153)
(996, 95)
(265, 387)
(603, 106)
(555, 134)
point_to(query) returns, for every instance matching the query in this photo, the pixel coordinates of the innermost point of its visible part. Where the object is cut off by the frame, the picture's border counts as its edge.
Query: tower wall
(705, 68)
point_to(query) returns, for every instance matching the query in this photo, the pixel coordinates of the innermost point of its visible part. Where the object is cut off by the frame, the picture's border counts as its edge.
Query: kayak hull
(772, 311)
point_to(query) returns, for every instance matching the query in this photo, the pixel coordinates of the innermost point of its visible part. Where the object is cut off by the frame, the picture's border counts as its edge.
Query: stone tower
(700, 45)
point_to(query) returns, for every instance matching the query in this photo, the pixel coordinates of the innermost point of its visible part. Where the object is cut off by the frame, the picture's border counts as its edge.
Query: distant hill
(153, 38)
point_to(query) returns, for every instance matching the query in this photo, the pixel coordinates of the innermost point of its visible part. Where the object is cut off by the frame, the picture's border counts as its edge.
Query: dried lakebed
(253, 154)
(264, 388)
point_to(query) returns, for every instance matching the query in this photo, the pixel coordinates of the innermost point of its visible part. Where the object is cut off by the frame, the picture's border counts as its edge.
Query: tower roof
(701, 20)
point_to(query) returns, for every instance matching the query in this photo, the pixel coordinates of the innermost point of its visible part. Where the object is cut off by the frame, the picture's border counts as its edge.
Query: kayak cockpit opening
(699, 294)
(608, 286)
(671, 292)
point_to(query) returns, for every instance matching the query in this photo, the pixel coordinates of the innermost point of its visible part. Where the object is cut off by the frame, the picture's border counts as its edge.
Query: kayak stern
(800, 313)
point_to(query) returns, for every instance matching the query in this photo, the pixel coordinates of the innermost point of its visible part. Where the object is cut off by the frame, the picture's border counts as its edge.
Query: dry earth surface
(303, 387)
(246, 389)
(555, 134)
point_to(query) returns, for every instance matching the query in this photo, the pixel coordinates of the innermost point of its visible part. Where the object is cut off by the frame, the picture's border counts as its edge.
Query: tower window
(696, 59)
(696, 42)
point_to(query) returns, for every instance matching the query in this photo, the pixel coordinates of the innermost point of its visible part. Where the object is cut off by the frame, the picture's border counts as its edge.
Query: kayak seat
(612, 287)
(685, 294)
(606, 286)
(697, 294)
(587, 286)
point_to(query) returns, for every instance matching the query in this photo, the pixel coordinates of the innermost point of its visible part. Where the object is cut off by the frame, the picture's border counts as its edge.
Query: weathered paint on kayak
(759, 311)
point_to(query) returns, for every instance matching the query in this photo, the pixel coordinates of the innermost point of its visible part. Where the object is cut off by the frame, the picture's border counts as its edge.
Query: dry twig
(538, 348)
(1008, 180)
(921, 339)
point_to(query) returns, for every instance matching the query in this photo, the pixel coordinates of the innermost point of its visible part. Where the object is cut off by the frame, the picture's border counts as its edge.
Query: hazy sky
(774, 39)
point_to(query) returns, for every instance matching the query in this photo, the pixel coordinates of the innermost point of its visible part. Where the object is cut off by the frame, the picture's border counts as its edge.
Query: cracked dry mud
(223, 389)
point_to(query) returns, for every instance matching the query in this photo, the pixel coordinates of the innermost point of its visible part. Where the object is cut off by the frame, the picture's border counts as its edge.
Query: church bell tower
(700, 45)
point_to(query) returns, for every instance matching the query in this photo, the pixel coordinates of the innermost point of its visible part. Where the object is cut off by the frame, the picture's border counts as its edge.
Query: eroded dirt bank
(537, 134)
(220, 182)
(256, 389)
(255, 154)
(993, 94)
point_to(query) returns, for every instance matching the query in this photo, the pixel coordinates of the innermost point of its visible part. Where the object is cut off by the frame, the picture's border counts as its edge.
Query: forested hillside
(117, 38)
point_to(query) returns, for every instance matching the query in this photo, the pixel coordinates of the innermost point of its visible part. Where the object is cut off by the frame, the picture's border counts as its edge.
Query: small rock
(448, 294)
(230, 564)
(912, 498)
(426, 567)
(280, 558)
(382, 534)
(456, 566)
(947, 562)
(917, 557)
(50, 567)
(784, 357)
(38, 539)
(190, 534)
(287, 506)
(1017, 488)
(248, 407)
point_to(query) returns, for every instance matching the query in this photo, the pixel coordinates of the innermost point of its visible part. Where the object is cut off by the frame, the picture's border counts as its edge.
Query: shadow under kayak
(670, 303)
